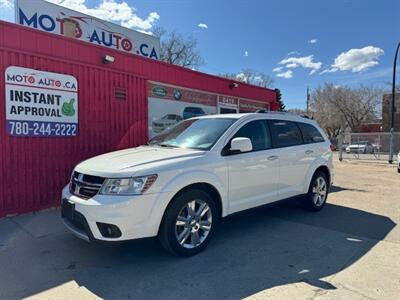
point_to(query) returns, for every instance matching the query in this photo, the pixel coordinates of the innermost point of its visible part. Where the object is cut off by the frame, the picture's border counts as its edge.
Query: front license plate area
(67, 209)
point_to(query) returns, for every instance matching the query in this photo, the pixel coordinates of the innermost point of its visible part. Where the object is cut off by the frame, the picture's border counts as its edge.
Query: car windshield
(199, 134)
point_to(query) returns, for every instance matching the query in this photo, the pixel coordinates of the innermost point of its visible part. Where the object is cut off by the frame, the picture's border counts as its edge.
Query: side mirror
(241, 144)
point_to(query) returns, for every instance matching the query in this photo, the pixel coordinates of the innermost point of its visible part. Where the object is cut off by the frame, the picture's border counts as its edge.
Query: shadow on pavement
(252, 251)
(336, 188)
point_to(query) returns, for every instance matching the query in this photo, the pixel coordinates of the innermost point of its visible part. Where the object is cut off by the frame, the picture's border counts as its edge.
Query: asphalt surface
(350, 250)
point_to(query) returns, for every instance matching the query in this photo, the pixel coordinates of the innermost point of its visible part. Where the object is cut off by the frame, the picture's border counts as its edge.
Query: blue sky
(353, 40)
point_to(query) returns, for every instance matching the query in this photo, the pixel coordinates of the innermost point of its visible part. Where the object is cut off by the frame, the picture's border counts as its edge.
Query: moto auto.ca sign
(59, 20)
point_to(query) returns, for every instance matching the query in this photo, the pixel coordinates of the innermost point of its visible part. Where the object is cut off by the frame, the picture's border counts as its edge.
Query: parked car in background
(344, 146)
(165, 122)
(360, 147)
(398, 162)
(192, 111)
(179, 185)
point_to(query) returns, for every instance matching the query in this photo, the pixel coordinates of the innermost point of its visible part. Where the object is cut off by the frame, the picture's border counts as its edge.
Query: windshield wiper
(167, 146)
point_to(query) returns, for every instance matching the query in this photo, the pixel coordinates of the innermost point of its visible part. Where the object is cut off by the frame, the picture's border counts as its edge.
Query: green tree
(282, 106)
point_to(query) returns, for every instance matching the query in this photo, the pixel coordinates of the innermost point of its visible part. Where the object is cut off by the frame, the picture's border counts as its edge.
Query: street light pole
(393, 105)
(308, 100)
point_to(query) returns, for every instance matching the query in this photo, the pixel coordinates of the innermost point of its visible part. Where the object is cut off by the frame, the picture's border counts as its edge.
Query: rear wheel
(189, 223)
(317, 192)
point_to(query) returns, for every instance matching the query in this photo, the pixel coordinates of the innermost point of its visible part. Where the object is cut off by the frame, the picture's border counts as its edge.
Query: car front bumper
(135, 216)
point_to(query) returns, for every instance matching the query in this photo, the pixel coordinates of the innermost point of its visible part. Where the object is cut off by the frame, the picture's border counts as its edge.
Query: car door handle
(272, 157)
(309, 151)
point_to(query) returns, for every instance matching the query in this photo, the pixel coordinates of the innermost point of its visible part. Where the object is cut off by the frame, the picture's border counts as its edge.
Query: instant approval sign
(40, 103)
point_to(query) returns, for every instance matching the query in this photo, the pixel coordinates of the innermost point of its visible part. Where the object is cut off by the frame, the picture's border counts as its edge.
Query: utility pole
(308, 100)
(391, 150)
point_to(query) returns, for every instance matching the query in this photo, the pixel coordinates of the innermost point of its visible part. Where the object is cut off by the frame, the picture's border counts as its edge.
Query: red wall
(371, 127)
(33, 170)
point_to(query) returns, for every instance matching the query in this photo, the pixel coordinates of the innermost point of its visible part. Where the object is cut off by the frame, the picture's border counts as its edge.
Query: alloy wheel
(319, 191)
(193, 224)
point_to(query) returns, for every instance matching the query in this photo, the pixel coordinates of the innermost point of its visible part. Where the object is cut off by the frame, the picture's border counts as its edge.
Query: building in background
(64, 100)
(374, 126)
(386, 112)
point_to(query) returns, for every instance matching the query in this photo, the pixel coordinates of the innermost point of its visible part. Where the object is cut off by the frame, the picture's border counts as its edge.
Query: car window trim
(275, 137)
(227, 152)
(307, 143)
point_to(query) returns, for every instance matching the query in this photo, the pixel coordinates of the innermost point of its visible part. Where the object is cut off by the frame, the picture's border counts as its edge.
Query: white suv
(179, 185)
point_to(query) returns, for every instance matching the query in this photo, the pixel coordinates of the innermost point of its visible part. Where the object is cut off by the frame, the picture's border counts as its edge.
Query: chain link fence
(368, 146)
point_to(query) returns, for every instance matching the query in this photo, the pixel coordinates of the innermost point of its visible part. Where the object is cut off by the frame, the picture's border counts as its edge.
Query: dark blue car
(191, 111)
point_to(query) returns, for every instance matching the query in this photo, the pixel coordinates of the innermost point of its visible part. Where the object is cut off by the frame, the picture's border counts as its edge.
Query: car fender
(314, 166)
(181, 181)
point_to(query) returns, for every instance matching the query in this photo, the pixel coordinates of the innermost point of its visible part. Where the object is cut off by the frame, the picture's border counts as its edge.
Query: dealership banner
(40, 103)
(169, 105)
(246, 105)
(181, 94)
(56, 19)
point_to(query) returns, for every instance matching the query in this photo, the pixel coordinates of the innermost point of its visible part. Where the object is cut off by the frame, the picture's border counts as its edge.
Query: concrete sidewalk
(350, 250)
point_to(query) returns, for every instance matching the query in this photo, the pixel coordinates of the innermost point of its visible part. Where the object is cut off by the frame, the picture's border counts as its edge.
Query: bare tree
(177, 50)
(340, 107)
(251, 77)
(296, 111)
(325, 113)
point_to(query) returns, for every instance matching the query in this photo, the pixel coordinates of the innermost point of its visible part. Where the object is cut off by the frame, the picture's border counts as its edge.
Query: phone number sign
(40, 103)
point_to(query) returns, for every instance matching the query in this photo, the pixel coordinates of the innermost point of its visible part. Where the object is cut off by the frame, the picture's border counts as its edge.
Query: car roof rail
(270, 112)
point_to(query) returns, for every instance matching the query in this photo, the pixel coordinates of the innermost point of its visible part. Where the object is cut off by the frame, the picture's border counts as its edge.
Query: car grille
(85, 186)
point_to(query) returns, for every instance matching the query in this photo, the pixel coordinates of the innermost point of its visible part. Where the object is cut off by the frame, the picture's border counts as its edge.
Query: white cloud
(313, 41)
(356, 60)
(277, 69)
(288, 74)
(246, 53)
(293, 53)
(114, 11)
(6, 4)
(203, 25)
(289, 63)
(305, 62)
(241, 76)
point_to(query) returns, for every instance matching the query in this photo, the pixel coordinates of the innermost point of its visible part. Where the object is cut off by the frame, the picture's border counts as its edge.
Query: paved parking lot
(350, 250)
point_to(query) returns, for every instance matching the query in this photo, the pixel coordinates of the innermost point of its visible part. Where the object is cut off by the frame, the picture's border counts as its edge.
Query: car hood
(130, 160)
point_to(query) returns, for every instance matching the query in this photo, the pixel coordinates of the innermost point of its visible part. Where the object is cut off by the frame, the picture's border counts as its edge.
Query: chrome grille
(85, 186)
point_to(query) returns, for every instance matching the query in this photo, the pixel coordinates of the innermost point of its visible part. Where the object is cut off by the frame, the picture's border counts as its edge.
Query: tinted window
(258, 133)
(286, 133)
(310, 133)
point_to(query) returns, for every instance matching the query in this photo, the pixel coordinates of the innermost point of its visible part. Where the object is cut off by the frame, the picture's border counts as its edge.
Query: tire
(195, 230)
(312, 201)
(398, 169)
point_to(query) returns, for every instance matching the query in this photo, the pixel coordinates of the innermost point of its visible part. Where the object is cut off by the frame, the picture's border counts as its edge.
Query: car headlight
(127, 186)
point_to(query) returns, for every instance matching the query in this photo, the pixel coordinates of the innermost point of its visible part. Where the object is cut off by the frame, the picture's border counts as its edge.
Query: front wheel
(188, 223)
(318, 192)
